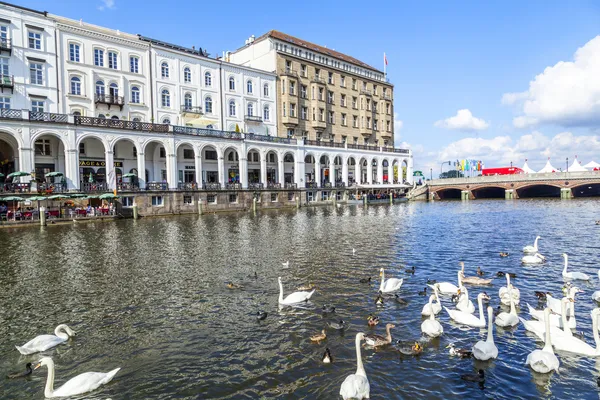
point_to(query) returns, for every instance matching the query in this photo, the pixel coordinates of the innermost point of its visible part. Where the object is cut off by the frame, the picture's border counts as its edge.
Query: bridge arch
(488, 192)
(586, 190)
(449, 193)
(539, 190)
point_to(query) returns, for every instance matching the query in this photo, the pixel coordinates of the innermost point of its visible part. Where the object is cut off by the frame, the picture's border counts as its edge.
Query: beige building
(323, 94)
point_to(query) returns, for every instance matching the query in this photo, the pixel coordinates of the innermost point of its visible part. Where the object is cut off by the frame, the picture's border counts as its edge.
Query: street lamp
(567, 164)
(511, 164)
(442, 164)
(430, 174)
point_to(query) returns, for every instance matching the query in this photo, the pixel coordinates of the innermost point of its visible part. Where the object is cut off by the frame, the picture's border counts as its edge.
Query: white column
(281, 172)
(111, 178)
(358, 172)
(370, 171)
(141, 167)
(172, 178)
(409, 171)
(380, 171)
(263, 169)
(222, 180)
(198, 168)
(26, 160)
(244, 172)
(332, 171)
(72, 169)
(345, 171)
(318, 171)
(299, 172)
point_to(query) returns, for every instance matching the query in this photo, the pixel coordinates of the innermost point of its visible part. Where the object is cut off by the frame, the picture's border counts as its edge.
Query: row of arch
(533, 190)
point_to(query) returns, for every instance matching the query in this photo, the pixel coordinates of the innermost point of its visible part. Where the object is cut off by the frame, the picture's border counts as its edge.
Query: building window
(343, 100)
(354, 121)
(321, 94)
(330, 78)
(249, 87)
(100, 88)
(136, 119)
(101, 116)
(135, 94)
(304, 70)
(250, 109)
(187, 200)
(293, 110)
(342, 81)
(330, 97)
(389, 126)
(187, 75)
(232, 108)
(266, 90)
(157, 201)
(166, 121)
(113, 90)
(303, 91)
(343, 119)
(233, 198)
(164, 70)
(36, 73)
(273, 197)
(231, 84)
(375, 90)
(76, 86)
(266, 113)
(290, 133)
(210, 155)
(5, 103)
(4, 62)
(82, 148)
(283, 109)
(207, 79)
(134, 63)
(321, 115)
(187, 101)
(37, 106)
(331, 117)
(188, 154)
(208, 105)
(354, 103)
(304, 113)
(35, 40)
(73, 52)
(99, 57)
(211, 198)
(42, 147)
(353, 84)
(165, 99)
(288, 66)
(387, 108)
(112, 60)
(127, 201)
(292, 88)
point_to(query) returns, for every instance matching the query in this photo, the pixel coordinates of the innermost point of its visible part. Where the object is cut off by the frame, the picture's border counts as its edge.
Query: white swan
(293, 298)
(470, 319)
(532, 249)
(573, 275)
(505, 319)
(45, 342)
(485, 350)
(431, 326)
(537, 258)
(356, 386)
(503, 293)
(555, 304)
(577, 346)
(556, 320)
(391, 285)
(544, 360)
(447, 287)
(432, 307)
(539, 327)
(464, 304)
(596, 294)
(83, 383)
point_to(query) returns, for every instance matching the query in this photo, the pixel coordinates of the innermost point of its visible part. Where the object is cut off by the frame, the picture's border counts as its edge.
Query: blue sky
(443, 57)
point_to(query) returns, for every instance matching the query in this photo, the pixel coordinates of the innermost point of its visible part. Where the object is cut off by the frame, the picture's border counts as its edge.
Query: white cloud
(398, 124)
(463, 121)
(107, 5)
(566, 94)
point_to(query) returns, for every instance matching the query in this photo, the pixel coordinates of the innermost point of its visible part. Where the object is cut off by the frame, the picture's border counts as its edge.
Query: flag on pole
(385, 61)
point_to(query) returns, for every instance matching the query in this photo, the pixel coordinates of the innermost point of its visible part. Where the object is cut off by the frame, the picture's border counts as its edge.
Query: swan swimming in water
(573, 275)
(464, 304)
(356, 386)
(572, 344)
(544, 360)
(485, 350)
(82, 383)
(539, 327)
(470, 319)
(391, 285)
(537, 258)
(45, 342)
(293, 298)
(532, 249)
(447, 287)
(556, 320)
(432, 327)
(432, 307)
(503, 293)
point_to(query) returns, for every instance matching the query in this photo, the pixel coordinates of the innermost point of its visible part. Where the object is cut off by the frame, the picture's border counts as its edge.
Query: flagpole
(384, 66)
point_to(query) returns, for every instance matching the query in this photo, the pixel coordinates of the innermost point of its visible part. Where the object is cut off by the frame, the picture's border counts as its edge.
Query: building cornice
(172, 55)
(102, 36)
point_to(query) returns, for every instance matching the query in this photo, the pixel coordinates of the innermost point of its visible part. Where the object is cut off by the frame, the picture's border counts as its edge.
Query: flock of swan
(553, 325)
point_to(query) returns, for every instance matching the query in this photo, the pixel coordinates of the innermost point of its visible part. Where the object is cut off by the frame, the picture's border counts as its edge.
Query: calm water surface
(149, 296)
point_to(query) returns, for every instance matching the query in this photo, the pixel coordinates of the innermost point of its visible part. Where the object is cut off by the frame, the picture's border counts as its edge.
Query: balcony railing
(188, 130)
(290, 72)
(191, 109)
(289, 185)
(109, 99)
(128, 187)
(311, 185)
(363, 147)
(211, 186)
(153, 186)
(326, 185)
(187, 186)
(318, 79)
(7, 81)
(366, 92)
(18, 187)
(255, 186)
(49, 188)
(48, 117)
(5, 45)
(92, 187)
(120, 124)
(253, 118)
(233, 186)
(272, 185)
(7, 113)
(340, 185)
(267, 138)
(402, 151)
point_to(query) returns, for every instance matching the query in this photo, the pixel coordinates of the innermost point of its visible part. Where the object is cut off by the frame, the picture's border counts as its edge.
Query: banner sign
(418, 173)
(83, 163)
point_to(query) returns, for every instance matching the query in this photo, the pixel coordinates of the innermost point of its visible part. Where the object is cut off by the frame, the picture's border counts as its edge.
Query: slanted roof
(314, 47)
(526, 169)
(576, 167)
(592, 165)
(547, 168)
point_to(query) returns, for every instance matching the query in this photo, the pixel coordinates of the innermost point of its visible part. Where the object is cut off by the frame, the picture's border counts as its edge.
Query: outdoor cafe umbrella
(59, 197)
(107, 196)
(91, 178)
(1, 175)
(129, 175)
(53, 174)
(17, 174)
(38, 199)
(12, 198)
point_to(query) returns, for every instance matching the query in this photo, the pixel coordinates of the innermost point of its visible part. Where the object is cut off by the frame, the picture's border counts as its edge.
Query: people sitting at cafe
(3, 209)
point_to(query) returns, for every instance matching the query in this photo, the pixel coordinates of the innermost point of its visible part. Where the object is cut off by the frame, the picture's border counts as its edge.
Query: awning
(391, 186)
(201, 122)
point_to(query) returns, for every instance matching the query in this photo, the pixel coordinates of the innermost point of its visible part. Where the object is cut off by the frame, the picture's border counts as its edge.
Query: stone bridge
(558, 184)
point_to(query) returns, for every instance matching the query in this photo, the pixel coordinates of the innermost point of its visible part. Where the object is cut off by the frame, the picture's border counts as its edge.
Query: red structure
(502, 171)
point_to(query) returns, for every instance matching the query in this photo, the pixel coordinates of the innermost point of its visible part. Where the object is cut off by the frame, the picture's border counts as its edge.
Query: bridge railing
(515, 178)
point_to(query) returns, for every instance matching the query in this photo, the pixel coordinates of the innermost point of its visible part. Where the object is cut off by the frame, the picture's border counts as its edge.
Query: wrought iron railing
(340, 185)
(255, 186)
(7, 80)
(273, 185)
(188, 130)
(403, 151)
(267, 138)
(157, 186)
(326, 185)
(289, 185)
(253, 118)
(18, 187)
(191, 109)
(128, 186)
(187, 186)
(7, 113)
(92, 187)
(211, 186)
(48, 117)
(109, 99)
(49, 188)
(233, 186)
(311, 185)
(121, 124)
(363, 147)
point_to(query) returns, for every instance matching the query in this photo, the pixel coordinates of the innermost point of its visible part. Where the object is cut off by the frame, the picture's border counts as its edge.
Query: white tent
(576, 167)
(526, 169)
(592, 165)
(547, 168)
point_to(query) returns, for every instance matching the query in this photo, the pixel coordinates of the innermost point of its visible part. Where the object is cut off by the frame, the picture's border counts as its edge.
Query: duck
(409, 350)
(536, 258)
(338, 326)
(486, 350)
(416, 349)
(423, 292)
(306, 288)
(356, 386)
(573, 275)
(500, 274)
(261, 315)
(327, 359)
(480, 271)
(391, 285)
(231, 285)
(372, 321)
(447, 287)
(478, 377)
(508, 319)
(431, 327)
(474, 280)
(534, 248)
(431, 281)
(410, 270)
(597, 222)
(462, 353)
(326, 309)
(544, 360)
(379, 300)
(470, 319)
(293, 298)
(400, 300)
(430, 307)
(503, 293)
(502, 254)
(319, 336)
(28, 371)
(541, 296)
(556, 320)
(80, 384)
(378, 340)
(62, 333)
(365, 280)
(464, 304)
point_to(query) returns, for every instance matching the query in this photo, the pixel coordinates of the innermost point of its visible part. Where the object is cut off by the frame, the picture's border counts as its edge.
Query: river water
(150, 296)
